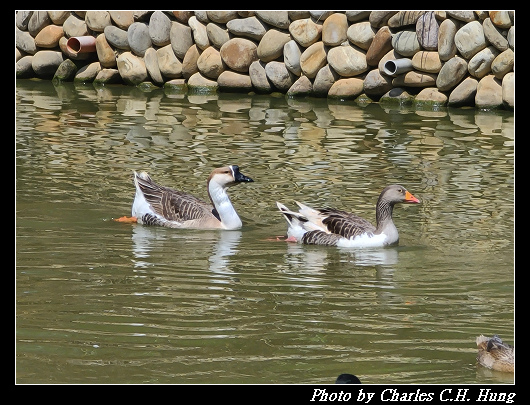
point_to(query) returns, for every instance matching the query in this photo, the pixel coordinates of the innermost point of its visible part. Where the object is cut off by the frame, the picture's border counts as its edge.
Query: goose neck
(383, 214)
(223, 205)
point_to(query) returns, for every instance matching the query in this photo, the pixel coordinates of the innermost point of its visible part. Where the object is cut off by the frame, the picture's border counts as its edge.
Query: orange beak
(409, 198)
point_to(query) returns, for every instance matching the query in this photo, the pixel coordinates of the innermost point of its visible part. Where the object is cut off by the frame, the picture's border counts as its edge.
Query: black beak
(240, 177)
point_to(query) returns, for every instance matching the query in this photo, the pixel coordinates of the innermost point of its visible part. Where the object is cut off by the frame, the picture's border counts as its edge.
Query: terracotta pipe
(395, 67)
(77, 45)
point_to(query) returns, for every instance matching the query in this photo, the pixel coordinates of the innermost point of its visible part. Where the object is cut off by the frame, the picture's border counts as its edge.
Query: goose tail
(295, 220)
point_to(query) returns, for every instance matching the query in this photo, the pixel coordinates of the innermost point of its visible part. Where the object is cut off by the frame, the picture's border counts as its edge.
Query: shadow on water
(103, 302)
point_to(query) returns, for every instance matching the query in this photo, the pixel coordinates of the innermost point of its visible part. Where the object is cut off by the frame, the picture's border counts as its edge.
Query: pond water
(104, 302)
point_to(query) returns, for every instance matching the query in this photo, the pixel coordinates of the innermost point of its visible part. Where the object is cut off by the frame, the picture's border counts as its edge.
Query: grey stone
(97, 20)
(139, 38)
(181, 38)
(446, 40)
(480, 64)
(451, 73)
(45, 63)
(494, 35)
(464, 93)
(291, 57)
(508, 90)
(160, 28)
(406, 43)
(250, 27)
(132, 68)
(278, 19)
(65, 72)
(200, 35)
(347, 61)
(87, 73)
(258, 77)
(25, 42)
(279, 76)
(168, 63)
(470, 39)
(23, 68)
(74, 27)
(376, 84)
(427, 31)
(271, 45)
(38, 20)
(361, 34)
(217, 35)
(301, 87)
(117, 37)
(323, 81)
(503, 63)
(151, 64)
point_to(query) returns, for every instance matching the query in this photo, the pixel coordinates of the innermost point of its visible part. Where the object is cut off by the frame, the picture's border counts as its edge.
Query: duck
(332, 227)
(159, 205)
(347, 378)
(494, 354)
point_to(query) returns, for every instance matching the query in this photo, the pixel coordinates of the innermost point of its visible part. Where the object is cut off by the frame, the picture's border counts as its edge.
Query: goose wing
(172, 204)
(345, 223)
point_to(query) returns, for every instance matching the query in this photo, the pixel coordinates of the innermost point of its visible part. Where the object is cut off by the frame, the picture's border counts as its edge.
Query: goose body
(163, 206)
(331, 227)
(494, 354)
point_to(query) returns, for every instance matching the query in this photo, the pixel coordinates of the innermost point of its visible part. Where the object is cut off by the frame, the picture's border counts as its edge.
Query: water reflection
(220, 245)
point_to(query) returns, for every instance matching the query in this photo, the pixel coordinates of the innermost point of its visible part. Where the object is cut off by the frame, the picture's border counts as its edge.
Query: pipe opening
(390, 67)
(84, 44)
(73, 45)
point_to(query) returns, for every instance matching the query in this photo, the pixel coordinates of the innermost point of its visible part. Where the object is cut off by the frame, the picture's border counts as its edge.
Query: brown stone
(106, 55)
(49, 36)
(233, 81)
(334, 29)
(239, 53)
(381, 44)
(210, 63)
(414, 79)
(346, 88)
(189, 63)
(313, 59)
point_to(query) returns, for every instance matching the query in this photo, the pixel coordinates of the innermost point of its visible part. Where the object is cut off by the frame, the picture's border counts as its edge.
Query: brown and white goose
(332, 227)
(163, 206)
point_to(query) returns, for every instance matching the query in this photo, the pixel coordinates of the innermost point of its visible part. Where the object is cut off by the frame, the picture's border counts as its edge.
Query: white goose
(332, 227)
(163, 206)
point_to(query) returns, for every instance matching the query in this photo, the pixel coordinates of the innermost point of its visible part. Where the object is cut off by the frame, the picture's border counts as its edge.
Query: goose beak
(409, 198)
(243, 178)
(240, 177)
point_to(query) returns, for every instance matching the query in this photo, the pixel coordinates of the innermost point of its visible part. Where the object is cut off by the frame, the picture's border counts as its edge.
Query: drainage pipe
(77, 45)
(396, 67)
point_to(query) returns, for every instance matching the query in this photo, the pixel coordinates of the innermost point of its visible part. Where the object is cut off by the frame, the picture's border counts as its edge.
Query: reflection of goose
(493, 353)
(163, 206)
(225, 247)
(218, 245)
(339, 228)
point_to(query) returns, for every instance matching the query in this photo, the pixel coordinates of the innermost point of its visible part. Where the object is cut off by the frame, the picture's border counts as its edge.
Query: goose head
(228, 176)
(395, 193)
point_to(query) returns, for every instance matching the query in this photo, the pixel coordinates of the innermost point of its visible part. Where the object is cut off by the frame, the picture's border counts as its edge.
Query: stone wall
(433, 58)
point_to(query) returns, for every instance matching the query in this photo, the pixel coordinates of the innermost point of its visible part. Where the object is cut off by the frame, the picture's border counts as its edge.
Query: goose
(494, 354)
(163, 206)
(331, 227)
